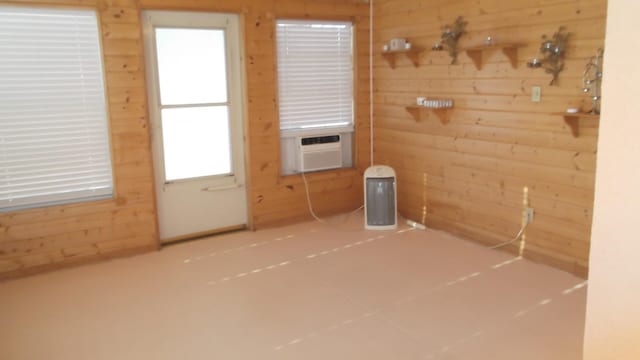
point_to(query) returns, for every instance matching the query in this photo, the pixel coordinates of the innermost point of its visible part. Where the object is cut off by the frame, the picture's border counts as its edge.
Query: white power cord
(522, 229)
(527, 219)
(310, 206)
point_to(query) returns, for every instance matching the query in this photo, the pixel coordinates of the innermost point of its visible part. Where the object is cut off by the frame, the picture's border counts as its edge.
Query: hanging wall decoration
(450, 36)
(553, 50)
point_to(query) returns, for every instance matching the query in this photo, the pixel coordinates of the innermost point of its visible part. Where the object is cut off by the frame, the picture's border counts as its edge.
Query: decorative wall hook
(449, 38)
(553, 51)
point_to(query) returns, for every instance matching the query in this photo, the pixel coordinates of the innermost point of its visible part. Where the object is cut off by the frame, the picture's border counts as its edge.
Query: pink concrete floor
(308, 291)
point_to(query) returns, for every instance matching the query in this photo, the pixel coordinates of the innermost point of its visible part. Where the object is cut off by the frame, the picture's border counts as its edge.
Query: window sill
(295, 179)
(47, 206)
(312, 132)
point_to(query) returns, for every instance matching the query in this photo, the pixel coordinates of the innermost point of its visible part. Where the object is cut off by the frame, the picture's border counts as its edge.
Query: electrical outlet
(536, 93)
(529, 214)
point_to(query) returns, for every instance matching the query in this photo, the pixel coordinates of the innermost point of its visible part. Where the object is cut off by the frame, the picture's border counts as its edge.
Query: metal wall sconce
(591, 80)
(449, 38)
(553, 51)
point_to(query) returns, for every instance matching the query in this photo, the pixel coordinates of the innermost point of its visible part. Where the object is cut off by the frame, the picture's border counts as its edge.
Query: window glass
(191, 66)
(196, 142)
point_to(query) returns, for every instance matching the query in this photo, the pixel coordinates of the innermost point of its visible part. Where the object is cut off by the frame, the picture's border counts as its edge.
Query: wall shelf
(572, 120)
(509, 50)
(413, 55)
(416, 111)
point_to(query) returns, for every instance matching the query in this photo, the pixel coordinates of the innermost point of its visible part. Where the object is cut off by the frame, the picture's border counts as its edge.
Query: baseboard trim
(79, 261)
(201, 234)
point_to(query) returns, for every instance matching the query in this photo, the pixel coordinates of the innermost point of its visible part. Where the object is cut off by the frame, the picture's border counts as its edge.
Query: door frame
(241, 109)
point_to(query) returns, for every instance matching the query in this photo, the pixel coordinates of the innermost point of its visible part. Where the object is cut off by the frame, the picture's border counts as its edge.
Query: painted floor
(307, 291)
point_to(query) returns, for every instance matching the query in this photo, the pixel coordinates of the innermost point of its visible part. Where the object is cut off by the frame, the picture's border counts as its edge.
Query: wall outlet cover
(536, 93)
(529, 213)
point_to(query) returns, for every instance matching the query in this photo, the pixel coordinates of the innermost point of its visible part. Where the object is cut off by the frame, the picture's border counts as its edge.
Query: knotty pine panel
(466, 175)
(123, 63)
(47, 238)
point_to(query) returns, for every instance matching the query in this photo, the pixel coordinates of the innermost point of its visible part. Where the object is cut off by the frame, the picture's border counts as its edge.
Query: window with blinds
(315, 74)
(54, 142)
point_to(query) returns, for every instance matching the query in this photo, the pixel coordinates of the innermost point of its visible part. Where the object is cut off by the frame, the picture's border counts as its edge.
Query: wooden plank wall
(41, 239)
(46, 238)
(467, 176)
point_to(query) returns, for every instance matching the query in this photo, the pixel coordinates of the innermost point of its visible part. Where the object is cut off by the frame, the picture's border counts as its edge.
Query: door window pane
(191, 66)
(196, 142)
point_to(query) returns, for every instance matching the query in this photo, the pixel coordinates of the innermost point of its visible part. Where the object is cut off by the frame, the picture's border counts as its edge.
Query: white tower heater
(380, 205)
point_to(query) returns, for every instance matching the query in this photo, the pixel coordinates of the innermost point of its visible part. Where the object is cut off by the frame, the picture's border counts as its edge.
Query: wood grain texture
(52, 237)
(466, 176)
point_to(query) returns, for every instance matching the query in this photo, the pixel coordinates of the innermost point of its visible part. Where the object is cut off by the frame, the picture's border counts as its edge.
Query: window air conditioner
(319, 153)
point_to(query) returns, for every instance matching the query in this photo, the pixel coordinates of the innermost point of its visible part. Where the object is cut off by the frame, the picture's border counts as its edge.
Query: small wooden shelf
(413, 55)
(572, 120)
(509, 50)
(416, 112)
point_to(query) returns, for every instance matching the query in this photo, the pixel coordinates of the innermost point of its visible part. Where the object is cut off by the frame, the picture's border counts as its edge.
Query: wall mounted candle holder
(449, 38)
(553, 50)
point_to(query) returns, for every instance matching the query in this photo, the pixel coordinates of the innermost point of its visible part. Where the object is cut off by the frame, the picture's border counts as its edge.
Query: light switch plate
(536, 93)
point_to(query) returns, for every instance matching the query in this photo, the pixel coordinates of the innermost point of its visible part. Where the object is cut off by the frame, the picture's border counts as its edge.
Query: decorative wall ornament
(592, 78)
(553, 51)
(450, 36)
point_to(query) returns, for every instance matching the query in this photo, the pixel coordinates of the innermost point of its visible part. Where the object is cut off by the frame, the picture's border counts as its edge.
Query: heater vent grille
(380, 198)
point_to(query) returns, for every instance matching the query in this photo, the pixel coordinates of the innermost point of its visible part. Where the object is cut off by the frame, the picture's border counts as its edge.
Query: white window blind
(54, 144)
(315, 74)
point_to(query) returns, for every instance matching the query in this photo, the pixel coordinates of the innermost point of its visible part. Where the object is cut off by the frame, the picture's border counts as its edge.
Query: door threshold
(201, 234)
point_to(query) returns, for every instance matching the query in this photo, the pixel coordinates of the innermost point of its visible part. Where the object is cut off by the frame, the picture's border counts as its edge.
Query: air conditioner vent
(320, 140)
(319, 153)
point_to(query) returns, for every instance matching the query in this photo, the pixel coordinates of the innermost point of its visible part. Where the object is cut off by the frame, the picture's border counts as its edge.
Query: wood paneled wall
(45, 238)
(40, 239)
(466, 176)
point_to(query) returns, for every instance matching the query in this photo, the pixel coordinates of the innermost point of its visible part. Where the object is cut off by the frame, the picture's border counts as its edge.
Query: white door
(195, 103)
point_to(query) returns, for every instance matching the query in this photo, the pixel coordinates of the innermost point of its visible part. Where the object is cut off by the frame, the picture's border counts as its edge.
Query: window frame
(288, 137)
